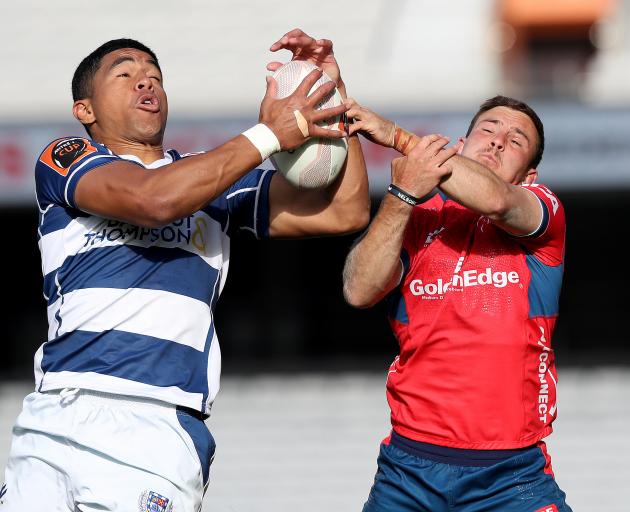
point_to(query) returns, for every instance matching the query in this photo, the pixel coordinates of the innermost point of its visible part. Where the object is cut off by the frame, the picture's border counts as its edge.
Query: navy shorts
(419, 477)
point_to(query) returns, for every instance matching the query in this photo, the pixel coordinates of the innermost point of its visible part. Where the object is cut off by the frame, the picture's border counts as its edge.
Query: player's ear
(460, 142)
(530, 177)
(82, 111)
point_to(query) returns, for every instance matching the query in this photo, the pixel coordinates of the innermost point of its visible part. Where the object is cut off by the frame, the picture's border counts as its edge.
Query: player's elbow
(353, 219)
(497, 208)
(358, 221)
(358, 296)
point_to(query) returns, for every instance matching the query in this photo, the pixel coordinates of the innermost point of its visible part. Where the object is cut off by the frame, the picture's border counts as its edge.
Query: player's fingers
(362, 127)
(355, 112)
(426, 141)
(328, 113)
(274, 65)
(272, 88)
(354, 109)
(445, 154)
(318, 131)
(280, 43)
(295, 42)
(325, 44)
(307, 83)
(354, 127)
(320, 94)
(437, 145)
(296, 32)
(301, 40)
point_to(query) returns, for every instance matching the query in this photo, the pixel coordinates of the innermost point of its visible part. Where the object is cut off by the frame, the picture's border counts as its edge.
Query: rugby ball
(317, 162)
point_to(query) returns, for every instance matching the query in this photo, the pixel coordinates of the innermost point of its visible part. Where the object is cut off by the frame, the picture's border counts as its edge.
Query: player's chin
(151, 133)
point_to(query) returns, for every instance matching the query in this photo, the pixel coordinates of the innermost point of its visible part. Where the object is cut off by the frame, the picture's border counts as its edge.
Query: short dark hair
(84, 74)
(504, 101)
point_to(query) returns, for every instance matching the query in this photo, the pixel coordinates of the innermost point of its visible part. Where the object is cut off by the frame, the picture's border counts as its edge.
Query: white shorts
(78, 450)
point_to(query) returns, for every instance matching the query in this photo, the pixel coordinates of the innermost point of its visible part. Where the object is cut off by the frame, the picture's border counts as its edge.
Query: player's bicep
(525, 214)
(114, 191)
(296, 212)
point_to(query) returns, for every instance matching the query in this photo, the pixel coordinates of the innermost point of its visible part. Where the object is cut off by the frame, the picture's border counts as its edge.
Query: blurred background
(302, 407)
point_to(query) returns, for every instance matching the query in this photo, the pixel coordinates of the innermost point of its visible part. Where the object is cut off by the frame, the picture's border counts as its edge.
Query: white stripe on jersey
(56, 246)
(51, 311)
(256, 203)
(242, 191)
(43, 212)
(214, 370)
(155, 313)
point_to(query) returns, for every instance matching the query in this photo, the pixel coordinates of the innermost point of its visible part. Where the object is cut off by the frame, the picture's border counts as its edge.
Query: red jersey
(474, 315)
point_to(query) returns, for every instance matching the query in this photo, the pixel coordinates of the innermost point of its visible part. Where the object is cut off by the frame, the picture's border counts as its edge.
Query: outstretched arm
(342, 207)
(123, 191)
(373, 266)
(507, 205)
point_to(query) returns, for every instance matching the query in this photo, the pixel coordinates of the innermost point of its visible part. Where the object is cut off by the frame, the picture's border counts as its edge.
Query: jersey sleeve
(61, 165)
(547, 242)
(248, 203)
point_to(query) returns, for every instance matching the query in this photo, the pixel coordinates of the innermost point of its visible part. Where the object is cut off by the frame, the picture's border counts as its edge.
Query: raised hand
(305, 47)
(283, 116)
(373, 127)
(422, 170)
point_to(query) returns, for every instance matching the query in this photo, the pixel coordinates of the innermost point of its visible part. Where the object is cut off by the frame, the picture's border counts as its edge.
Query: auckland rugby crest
(151, 501)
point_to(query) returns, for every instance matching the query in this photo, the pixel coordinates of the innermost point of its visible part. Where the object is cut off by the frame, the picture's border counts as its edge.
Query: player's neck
(147, 152)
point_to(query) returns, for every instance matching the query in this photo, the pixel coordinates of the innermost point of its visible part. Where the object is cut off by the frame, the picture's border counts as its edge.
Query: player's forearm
(373, 268)
(123, 191)
(187, 185)
(476, 187)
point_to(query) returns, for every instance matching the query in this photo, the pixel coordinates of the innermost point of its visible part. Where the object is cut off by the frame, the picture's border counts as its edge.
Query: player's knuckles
(427, 140)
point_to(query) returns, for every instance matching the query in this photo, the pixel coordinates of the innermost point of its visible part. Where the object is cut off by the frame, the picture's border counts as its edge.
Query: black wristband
(404, 196)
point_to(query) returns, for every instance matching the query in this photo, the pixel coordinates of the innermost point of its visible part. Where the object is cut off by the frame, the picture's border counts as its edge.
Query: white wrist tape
(264, 139)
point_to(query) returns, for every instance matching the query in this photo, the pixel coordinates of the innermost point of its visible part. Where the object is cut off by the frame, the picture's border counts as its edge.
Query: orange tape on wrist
(404, 141)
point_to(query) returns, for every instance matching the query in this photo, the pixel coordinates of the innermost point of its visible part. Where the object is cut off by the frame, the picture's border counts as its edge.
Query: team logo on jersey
(466, 279)
(61, 154)
(545, 376)
(548, 508)
(151, 501)
(433, 235)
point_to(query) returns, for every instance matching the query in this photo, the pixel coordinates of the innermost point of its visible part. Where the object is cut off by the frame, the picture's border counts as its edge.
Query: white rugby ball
(317, 162)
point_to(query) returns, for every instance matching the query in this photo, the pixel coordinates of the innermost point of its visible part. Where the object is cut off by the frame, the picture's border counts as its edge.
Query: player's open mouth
(148, 102)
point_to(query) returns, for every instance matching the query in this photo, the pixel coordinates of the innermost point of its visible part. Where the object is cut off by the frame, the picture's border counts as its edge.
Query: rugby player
(473, 275)
(135, 250)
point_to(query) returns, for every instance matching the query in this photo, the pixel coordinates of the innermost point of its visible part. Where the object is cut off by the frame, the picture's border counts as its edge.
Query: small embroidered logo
(151, 501)
(548, 508)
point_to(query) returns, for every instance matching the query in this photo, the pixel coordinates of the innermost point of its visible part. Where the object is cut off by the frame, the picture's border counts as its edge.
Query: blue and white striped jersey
(130, 309)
